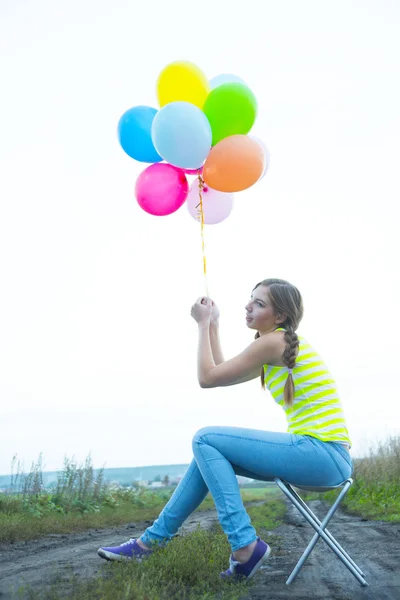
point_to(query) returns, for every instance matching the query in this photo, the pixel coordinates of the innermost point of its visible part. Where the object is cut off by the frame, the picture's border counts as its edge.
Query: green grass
(20, 521)
(379, 501)
(375, 493)
(186, 569)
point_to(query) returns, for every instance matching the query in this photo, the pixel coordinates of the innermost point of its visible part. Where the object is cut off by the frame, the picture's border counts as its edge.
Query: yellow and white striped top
(317, 410)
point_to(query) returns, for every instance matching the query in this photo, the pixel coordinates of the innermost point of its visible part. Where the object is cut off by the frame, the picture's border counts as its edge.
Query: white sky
(97, 345)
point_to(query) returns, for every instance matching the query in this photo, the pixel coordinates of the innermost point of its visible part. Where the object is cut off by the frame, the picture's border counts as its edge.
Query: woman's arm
(215, 343)
(205, 359)
(243, 367)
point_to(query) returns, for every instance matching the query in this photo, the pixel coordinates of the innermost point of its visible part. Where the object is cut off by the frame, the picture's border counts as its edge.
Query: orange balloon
(234, 164)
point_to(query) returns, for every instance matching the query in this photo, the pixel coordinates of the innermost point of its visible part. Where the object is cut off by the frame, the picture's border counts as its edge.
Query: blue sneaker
(125, 551)
(238, 570)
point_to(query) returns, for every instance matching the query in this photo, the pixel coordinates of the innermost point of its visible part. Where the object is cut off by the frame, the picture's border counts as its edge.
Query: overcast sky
(97, 345)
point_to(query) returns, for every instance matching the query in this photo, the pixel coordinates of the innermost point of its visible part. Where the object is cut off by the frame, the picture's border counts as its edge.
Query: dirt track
(374, 545)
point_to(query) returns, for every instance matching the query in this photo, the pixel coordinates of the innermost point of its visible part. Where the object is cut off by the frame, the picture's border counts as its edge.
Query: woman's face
(260, 314)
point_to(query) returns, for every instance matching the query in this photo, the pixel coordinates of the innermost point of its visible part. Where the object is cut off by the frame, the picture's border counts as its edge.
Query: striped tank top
(316, 410)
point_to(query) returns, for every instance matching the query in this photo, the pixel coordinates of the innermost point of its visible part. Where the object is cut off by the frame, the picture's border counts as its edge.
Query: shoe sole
(114, 557)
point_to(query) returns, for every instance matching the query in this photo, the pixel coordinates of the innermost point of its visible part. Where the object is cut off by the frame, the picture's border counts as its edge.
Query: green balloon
(231, 108)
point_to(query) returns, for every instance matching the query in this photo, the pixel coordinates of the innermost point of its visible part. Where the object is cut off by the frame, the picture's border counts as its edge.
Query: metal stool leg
(313, 516)
(319, 533)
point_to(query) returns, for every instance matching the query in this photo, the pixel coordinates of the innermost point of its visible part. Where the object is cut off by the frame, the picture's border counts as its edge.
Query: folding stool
(319, 527)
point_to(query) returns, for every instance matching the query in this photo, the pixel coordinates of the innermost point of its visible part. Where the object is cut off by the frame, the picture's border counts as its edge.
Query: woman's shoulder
(305, 353)
(277, 339)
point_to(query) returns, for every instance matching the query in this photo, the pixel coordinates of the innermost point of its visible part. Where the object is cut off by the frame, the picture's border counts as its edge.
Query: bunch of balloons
(200, 129)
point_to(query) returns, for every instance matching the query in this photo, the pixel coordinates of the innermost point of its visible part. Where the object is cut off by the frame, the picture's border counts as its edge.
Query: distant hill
(123, 475)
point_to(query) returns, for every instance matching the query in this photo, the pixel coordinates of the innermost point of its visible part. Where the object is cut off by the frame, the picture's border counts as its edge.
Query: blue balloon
(134, 134)
(225, 78)
(182, 135)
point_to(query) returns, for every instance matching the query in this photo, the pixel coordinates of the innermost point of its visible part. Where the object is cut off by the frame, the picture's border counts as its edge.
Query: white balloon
(217, 206)
(267, 154)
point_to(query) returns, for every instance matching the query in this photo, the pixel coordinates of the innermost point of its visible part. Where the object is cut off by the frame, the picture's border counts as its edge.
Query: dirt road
(374, 545)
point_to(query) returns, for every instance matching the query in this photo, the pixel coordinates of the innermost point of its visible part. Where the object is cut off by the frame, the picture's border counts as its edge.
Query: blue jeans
(221, 453)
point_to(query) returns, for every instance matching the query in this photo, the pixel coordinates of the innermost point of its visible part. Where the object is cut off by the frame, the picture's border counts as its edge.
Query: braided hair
(285, 299)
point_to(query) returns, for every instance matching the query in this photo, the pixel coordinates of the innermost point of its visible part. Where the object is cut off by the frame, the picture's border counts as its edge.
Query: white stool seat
(310, 488)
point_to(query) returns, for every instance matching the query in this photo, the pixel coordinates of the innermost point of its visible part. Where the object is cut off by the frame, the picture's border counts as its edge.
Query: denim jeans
(221, 453)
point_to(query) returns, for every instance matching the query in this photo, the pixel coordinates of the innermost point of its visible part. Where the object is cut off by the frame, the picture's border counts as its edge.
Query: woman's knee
(200, 435)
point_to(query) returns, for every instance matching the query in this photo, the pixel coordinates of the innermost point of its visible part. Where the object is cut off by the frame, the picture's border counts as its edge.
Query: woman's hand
(201, 310)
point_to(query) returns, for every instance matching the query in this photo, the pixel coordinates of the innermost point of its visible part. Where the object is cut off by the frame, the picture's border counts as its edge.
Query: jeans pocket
(297, 438)
(343, 453)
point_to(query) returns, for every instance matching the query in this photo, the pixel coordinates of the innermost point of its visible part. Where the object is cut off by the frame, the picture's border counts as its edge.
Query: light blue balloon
(134, 134)
(181, 134)
(225, 78)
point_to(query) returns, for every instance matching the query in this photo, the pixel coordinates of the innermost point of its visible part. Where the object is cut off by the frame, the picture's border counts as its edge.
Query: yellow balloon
(182, 81)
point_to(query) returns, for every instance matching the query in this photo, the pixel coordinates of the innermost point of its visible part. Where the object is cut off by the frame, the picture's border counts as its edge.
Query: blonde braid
(262, 368)
(289, 358)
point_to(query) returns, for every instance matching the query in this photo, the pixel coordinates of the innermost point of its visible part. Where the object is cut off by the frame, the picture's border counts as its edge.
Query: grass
(375, 493)
(126, 508)
(188, 568)
(78, 502)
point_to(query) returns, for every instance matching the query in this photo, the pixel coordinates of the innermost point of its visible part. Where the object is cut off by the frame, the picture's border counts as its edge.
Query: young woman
(314, 451)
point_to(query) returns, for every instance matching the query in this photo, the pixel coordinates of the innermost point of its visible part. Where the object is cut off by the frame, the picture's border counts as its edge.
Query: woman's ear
(281, 318)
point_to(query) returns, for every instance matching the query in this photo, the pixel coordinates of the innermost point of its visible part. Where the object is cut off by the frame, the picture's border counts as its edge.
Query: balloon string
(200, 216)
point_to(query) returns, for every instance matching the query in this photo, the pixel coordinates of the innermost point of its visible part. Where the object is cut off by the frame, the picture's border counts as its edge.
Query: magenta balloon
(161, 189)
(217, 206)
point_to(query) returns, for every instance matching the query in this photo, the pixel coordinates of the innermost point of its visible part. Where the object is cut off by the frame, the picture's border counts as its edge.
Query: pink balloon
(161, 189)
(217, 206)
